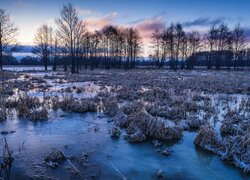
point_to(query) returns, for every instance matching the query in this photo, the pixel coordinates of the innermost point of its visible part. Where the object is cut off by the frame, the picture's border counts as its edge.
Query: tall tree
(95, 43)
(70, 31)
(156, 45)
(222, 43)
(238, 43)
(8, 32)
(171, 48)
(179, 35)
(110, 34)
(133, 46)
(194, 39)
(56, 50)
(80, 37)
(44, 44)
(212, 41)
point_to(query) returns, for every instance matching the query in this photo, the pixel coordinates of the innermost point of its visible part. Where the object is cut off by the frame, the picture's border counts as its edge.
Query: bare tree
(222, 45)
(95, 44)
(164, 47)
(238, 43)
(80, 37)
(109, 33)
(179, 35)
(194, 39)
(55, 52)
(133, 46)
(8, 32)
(44, 44)
(171, 48)
(117, 44)
(71, 32)
(156, 45)
(211, 38)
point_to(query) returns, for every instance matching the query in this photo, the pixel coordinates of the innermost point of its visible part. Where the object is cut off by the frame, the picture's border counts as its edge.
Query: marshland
(102, 94)
(151, 121)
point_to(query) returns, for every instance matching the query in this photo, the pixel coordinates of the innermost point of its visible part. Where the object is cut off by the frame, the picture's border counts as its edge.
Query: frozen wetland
(115, 124)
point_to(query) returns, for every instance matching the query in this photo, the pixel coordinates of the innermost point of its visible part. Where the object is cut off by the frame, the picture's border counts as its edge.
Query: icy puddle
(75, 134)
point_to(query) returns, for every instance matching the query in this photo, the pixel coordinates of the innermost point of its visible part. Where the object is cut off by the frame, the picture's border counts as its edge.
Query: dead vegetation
(234, 147)
(71, 104)
(3, 112)
(148, 105)
(39, 114)
(5, 161)
(236, 139)
(55, 156)
(140, 124)
(207, 139)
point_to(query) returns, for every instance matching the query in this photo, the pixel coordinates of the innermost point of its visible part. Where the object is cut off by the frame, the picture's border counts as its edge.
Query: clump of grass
(141, 122)
(230, 125)
(207, 139)
(25, 104)
(236, 132)
(55, 156)
(136, 137)
(115, 132)
(54, 102)
(238, 149)
(3, 114)
(3, 111)
(110, 105)
(39, 114)
(194, 123)
(69, 103)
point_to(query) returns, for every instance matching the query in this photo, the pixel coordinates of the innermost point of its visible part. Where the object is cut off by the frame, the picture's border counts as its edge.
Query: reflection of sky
(146, 15)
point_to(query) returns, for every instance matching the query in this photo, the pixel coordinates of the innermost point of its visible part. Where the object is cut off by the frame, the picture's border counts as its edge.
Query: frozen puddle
(78, 133)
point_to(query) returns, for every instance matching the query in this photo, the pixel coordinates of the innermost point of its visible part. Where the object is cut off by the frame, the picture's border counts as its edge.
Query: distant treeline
(219, 47)
(72, 46)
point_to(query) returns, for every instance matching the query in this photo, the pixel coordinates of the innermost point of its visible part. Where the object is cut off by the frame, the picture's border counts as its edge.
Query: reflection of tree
(204, 156)
(5, 161)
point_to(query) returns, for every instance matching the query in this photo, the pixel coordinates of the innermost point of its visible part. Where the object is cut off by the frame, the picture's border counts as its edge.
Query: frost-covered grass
(146, 104)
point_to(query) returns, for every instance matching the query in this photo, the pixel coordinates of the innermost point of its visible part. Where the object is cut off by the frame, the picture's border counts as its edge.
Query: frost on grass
(55, 156)
(207, 139)
(145, 105)
(25, 104)
(3, 112)
(115, 132)
(69, 103)
(234, 147)
(141, 124)
(236, 132)
(39, 114)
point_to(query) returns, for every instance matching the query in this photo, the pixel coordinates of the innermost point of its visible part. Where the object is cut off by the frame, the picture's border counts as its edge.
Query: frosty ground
(139, 106)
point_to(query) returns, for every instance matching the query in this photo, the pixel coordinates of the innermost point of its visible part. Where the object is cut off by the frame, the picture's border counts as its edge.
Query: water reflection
(75, 134)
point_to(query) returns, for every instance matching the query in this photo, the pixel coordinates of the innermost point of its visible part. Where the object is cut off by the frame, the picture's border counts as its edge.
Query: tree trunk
(209, 61)
(46, 63)
(235, 62)
(72, 64)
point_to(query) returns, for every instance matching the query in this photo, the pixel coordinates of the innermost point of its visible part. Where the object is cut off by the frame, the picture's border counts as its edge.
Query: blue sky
(146, 15)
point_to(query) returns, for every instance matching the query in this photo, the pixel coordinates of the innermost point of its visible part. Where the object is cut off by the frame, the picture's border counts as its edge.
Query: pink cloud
(148, 26)
(96, 23)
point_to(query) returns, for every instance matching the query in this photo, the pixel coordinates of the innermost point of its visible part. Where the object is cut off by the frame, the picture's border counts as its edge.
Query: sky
(145, 15)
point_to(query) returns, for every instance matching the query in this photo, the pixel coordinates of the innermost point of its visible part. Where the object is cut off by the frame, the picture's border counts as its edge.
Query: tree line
(120, 47)
(219, 46)
(112, 46)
